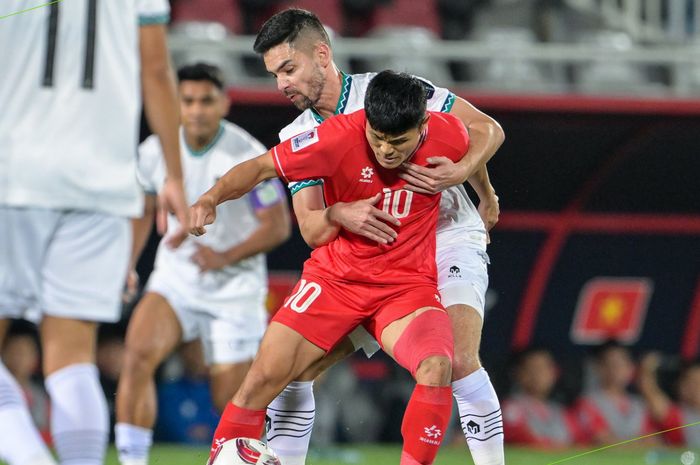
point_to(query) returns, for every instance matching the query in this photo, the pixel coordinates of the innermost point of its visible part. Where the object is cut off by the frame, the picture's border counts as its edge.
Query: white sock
(79, 416)
(480, 415)
(20, 442)
(133, 443)
(290, 419)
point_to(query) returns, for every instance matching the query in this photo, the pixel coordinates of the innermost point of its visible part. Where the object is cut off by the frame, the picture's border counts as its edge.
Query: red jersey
(338, 152)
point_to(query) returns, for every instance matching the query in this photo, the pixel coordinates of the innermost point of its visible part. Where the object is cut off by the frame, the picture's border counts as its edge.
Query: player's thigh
(66, 341)
(462, 276)
(344, 349)
(153, 332)
(466, 328)
(25, 235)
(85, 267)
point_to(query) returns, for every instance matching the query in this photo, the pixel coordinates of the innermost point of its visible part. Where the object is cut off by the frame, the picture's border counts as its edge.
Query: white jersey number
(392, 202)
(90, 32)
(302, 299)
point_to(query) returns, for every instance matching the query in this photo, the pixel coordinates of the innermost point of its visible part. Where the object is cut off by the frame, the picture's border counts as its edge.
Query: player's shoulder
(444, 126)
(238, 143)
(150, 146)
(304, 122)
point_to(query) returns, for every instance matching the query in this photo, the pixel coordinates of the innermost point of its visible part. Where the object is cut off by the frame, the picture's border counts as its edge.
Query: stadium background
(599, 235)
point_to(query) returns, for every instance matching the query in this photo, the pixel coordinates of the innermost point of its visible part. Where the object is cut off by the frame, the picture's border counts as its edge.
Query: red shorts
(325, 311)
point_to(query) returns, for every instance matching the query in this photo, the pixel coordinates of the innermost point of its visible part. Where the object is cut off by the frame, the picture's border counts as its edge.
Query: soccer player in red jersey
(390, 289)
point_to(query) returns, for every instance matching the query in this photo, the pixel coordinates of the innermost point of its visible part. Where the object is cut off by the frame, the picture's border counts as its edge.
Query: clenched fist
(202, 213)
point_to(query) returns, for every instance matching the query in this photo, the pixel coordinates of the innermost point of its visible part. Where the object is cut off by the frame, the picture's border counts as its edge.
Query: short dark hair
(395, 102)
(600, 351)
(201, 72)
(286, 26)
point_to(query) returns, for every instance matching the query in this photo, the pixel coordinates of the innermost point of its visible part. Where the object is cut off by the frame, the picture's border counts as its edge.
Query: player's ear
(225, 104)
(323, 54)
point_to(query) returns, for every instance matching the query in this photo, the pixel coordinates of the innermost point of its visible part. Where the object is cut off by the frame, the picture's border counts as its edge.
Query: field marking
(30, 9)
(624, 442)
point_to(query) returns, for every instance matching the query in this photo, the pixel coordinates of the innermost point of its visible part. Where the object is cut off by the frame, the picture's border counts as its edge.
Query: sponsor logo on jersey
(304, 140)
(366, 174)
(611, 308)
(455, 272)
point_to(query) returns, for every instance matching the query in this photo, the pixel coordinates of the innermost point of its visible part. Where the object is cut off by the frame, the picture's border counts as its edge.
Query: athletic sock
(237, 422)
(424, 423)
(290, 419)
(79, 415)
(133, 443)
(480, 416)
(20, 442)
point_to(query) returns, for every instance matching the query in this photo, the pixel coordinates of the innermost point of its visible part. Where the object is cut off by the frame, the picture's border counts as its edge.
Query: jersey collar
(206, 148)
(342, 100)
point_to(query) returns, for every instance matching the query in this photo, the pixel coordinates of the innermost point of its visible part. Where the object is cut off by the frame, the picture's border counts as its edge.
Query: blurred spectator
(255, 12)
(21, 357)
(360, 16)
(666, 413)
(530, 415)
(609, 413)
(457, 17)
(186, 413)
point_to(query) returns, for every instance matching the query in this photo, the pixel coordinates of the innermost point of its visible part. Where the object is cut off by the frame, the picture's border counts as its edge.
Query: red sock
(237, 422)
(424, 423)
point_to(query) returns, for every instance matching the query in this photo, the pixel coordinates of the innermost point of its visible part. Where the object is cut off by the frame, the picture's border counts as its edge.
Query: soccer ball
(244, 451)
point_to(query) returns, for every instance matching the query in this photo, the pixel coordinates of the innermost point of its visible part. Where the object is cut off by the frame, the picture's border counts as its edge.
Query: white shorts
(227, 337)
(462, 280)
(64, 263)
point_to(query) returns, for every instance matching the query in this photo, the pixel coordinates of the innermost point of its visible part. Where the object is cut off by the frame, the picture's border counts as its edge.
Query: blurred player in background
(390, 289)
(297, 51)
(70, 114)
(214, 287)
(667, 414)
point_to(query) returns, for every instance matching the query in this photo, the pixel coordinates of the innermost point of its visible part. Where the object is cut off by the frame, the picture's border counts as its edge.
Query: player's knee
(435, 370)
(140, 358)
(464, 364)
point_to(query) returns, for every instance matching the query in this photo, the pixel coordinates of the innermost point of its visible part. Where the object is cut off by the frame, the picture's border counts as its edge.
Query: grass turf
(450, 455)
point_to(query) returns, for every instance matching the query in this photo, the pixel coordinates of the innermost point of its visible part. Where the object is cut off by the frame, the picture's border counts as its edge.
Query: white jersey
(459, 220)
(235, 219)
(70, 99)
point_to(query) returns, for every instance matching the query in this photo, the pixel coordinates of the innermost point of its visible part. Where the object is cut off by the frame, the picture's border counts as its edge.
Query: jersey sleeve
(153, 12)
(304, 122)
(439, 98)
(313, 154)
(148, 169)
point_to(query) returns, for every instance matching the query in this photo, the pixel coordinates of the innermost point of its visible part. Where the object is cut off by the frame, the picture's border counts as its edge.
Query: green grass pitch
(449, 455)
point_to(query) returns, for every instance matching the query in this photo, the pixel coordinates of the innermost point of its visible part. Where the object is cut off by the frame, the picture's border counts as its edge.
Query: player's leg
(464, 277)
(83, 275)
(19, 429)
(154, 331)
(24, 235)
(290, 416)
(283, 355)
(422, 343)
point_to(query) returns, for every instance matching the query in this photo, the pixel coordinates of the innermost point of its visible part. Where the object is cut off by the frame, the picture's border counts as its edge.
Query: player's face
(616, 368)
(392, 150)
(298, 73)
(202, 106)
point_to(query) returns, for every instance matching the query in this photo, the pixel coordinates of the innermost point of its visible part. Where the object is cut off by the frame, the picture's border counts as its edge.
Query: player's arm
(162, 113)
(319, 224)
(237, 182)
(274, 228)
(656, 399)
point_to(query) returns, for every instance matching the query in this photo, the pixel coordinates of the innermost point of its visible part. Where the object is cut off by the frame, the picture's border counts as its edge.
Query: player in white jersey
(212, 287)
(70, 113)
(297, 51)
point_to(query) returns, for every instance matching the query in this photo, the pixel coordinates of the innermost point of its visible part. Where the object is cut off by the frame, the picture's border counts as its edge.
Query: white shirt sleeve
(439, 98)
(148, 169)
(153, 12)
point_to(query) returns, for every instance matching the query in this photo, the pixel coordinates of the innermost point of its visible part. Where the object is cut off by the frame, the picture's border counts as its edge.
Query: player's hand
(202, 213)
(171, 200)
(489, 210)
(442, 174)
(131, 287)
(363, 218)
(208, 259)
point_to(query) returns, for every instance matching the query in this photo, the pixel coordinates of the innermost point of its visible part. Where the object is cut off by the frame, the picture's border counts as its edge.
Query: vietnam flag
(611, 308)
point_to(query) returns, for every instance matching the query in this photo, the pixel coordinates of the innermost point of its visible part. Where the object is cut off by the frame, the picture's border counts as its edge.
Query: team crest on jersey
(304, 140)
(366, 174)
